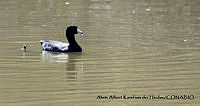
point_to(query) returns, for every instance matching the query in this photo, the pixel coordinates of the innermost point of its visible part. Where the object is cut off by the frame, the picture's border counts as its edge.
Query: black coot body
(57, 46)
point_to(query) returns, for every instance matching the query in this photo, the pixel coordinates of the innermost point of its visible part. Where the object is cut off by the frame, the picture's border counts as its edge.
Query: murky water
(130, 47)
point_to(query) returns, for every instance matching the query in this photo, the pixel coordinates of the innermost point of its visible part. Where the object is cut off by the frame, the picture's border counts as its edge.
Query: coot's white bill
(79, 31)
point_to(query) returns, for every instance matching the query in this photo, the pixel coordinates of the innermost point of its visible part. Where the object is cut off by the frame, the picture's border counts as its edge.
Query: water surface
(130, 47)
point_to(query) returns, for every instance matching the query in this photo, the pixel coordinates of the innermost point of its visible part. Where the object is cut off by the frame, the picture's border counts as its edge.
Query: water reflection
(73, 64)
(54, 57)
(23, 54)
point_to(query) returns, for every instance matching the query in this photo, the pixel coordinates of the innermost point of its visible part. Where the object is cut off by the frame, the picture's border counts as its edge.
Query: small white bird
(24, 48)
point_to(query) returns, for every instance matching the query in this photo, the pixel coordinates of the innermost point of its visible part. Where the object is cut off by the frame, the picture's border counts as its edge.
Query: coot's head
(73, 30)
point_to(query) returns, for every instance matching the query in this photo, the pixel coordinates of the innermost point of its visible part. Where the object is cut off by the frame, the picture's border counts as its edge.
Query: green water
(130, 47)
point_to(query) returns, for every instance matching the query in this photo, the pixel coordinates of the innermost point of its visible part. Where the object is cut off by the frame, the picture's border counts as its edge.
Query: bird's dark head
(73, 30)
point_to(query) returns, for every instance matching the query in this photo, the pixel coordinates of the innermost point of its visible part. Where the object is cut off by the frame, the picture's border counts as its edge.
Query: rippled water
(130, 47)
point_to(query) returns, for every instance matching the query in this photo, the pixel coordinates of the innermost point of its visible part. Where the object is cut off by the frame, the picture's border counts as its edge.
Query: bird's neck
(71, 39)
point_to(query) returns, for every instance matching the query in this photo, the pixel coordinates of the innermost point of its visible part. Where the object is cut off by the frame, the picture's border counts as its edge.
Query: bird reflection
(74, 66)
(54, 57)
(72, 60)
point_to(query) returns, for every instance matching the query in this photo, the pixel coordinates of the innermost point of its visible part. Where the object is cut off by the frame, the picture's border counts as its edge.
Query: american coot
(56, 46)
